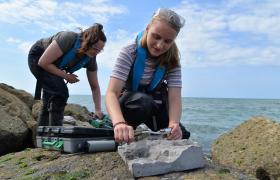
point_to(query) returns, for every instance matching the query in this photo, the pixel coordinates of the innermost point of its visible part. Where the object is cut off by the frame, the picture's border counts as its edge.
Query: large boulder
(79, 112)
(13, 133)
(15, 121)
(252, 147)
(36, 109)
(21, 94)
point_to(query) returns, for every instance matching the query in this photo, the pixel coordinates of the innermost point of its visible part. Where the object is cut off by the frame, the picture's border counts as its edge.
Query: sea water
(208, 118)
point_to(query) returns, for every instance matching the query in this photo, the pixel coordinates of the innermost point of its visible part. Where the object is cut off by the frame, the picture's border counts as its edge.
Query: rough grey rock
(13, 133)
(153, 157)
(252, 147)
(14, 117)
(69, 120)
(36, 109)
(79, 112)
(21, 94)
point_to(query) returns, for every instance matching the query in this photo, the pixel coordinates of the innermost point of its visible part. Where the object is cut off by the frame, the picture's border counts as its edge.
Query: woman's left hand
(99, 114)
(176, 132)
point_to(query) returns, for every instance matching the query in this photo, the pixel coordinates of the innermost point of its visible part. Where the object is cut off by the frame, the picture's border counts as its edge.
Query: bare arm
(95, 91)
(175, 110)
(51, 54)
(122, 132)
(112, 102)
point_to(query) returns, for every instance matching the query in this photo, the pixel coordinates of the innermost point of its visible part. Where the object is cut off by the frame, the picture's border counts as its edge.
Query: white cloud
(235, 32)
(21, 45)
(229, 33)
(54, 15)
(114, 44)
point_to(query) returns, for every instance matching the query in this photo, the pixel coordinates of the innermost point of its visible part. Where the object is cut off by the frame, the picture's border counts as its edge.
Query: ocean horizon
(208, 118)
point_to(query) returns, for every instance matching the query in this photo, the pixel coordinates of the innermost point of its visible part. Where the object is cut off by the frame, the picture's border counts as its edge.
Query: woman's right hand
(71, 78)
(123, 133)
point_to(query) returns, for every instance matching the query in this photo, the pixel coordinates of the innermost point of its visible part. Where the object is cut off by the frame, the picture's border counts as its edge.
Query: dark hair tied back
(91, 36)
(96, 33)
(99, 26)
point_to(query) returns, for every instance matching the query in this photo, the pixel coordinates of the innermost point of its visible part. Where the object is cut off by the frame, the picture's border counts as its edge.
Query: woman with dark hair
(53, 61)
(145, 86)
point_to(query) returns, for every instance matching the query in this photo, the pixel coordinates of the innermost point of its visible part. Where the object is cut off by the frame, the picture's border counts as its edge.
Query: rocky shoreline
(249, 151)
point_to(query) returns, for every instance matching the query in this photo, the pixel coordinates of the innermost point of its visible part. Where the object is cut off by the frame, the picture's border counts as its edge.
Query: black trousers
(138, 107)
(55, 91)
(51, 84)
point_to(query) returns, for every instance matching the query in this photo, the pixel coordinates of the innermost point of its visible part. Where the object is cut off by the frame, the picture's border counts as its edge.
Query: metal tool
(160, 132)
(148, 133)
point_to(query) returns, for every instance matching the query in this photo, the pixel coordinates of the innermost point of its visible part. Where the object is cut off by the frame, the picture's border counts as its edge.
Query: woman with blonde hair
(145, 86)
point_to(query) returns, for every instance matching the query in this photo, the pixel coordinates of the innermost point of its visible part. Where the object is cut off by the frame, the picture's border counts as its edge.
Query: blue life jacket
(139, 65)
(70, 56)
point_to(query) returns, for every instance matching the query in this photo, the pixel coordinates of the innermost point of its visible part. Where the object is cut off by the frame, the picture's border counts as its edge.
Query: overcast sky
(229, 48)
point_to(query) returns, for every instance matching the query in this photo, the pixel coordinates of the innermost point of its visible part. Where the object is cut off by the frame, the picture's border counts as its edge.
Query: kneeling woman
(145, 86)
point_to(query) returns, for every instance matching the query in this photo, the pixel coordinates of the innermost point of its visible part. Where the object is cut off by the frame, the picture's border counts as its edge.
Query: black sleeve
(91, 65)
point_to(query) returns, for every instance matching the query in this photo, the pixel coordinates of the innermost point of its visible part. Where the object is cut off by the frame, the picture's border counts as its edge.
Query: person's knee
(185, 133)
(136, 107)
(57, 103)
